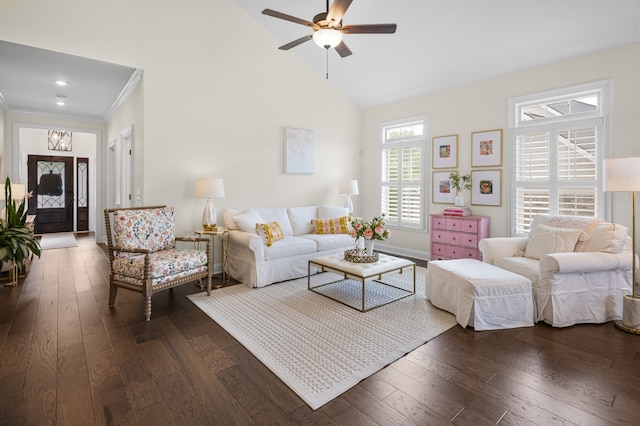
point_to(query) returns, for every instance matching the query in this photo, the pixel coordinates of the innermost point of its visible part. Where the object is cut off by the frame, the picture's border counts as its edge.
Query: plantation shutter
(557, 170)
(402, 171)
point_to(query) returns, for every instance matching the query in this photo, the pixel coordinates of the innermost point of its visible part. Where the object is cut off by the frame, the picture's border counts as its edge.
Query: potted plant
(460, 182)
(17, 242)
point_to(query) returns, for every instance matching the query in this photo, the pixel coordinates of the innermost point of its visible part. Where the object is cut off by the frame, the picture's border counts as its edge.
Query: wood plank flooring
(67, 359)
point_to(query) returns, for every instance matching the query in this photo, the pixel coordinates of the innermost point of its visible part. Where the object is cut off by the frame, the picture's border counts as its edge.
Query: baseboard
(399, 251)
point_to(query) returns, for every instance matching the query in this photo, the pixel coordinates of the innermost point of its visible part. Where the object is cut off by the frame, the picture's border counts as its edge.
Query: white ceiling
(438, 44)
(446, 43)
(28, 82)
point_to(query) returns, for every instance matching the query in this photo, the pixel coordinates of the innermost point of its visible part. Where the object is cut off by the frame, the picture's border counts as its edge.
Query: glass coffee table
(362, 286)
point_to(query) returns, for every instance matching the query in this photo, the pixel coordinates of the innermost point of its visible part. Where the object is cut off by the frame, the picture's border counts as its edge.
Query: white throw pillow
(607, 237)
(248, 220)
(547, 241)
(569, 236)
(543, 243)
(301, 218)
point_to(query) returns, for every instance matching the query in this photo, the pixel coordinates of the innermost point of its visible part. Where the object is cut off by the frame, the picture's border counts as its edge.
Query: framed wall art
(486, 148)
(299, 151)
(445, 152)
(486, 187)
(442, 190)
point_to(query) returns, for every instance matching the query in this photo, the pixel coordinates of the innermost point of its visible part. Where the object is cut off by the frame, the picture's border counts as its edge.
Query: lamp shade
(348, 187)
(622, 174)
(327, 38)
(209, 188)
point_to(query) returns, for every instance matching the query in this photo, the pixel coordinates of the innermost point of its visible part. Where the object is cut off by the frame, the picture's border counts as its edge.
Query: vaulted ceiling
(438, 44)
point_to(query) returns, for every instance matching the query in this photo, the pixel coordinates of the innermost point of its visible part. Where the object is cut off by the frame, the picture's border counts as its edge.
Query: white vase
(459, 201)
(360, 244)
(368, 246)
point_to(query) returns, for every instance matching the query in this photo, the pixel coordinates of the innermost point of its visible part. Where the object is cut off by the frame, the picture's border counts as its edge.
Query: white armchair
(582, 283)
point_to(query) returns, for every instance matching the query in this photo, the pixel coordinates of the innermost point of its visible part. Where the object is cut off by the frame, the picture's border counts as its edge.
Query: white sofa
(251, 261)
(577, 277)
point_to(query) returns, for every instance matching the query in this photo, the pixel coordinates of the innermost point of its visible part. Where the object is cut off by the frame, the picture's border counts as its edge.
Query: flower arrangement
(460, 182)
(373, 230)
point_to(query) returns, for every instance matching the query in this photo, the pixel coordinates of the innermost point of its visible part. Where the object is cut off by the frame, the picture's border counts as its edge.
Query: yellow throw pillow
(339, 225)
(270, 232)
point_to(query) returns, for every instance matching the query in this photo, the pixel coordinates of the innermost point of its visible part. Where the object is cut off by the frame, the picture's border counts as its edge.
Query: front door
(51, 180)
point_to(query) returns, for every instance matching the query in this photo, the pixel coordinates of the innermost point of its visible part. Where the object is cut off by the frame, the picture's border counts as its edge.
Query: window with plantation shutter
(557, 148)
(402, 185)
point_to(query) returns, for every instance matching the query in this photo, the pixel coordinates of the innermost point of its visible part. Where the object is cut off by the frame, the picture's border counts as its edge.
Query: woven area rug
(56, 241)
(319, 347)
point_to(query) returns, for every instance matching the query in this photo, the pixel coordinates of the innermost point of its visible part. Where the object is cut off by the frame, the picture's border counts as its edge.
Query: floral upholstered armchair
(144, 257)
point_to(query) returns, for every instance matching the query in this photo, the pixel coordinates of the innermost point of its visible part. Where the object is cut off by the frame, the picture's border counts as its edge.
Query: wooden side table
(223, 234)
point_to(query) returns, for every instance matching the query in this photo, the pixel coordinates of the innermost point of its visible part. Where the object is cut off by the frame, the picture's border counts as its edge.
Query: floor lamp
(623, 175)
(348, 188)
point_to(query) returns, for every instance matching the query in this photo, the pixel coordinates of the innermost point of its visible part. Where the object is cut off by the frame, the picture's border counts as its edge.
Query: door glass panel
(51, 184)
(83, 179)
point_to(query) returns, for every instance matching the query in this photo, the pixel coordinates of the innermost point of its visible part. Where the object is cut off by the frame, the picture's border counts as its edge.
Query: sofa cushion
(248, 220)
(328, 212)
(276, 214)
(330, 241)
(547, 240)
(524, 266)
(337, 225)
(165, 265)
(301, 217)
(289, 247)
(543, 243)
(269, 232)
(152, 229)
(606, 237)
(566, 222)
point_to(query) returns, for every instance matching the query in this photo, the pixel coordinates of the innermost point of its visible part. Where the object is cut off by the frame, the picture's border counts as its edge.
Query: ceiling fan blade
(289, 18)
(370, 29)
(343, 50)
(294, 43)
(337, 11)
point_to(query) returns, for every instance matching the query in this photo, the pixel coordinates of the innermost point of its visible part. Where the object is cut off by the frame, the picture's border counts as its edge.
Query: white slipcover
(250, 261)
(480, 295)
(569, 288)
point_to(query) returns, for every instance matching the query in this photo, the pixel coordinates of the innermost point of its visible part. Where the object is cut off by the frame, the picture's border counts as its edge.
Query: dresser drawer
(439, 236)
(462, 253)
(438, 251)
(468, 240)
(469, 225)
(454, 224)
(439, 222)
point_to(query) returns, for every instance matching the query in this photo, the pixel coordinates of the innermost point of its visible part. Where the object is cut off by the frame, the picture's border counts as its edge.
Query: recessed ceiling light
(60, 100)
(61, 83)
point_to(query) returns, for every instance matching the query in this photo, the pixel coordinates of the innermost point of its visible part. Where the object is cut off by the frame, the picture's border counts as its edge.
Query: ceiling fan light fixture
(327, 38)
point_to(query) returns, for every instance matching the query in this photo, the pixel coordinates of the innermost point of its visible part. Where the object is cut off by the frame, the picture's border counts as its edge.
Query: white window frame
(413, 141)
(599, 118)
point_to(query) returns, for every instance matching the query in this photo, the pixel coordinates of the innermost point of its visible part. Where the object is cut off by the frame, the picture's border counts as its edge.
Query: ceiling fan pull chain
(327, 51)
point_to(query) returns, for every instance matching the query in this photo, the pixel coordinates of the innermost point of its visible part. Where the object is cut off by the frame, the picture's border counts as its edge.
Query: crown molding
(126, 91)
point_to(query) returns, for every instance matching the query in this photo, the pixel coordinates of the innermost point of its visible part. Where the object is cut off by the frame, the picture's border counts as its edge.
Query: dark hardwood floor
(67, 359)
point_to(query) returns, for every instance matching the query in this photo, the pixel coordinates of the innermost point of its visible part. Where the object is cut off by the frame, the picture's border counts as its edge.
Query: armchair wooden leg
(147, 308)
(113, 290)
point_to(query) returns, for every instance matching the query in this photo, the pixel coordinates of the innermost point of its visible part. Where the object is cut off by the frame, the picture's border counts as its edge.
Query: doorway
(53, 201)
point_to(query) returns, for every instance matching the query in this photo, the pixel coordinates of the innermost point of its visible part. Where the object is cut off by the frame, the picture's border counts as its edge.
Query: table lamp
(623, 175)
(209, 188)
(348, 188)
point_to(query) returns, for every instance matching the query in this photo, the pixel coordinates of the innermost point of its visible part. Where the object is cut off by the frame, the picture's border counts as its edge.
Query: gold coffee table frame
(358, 272)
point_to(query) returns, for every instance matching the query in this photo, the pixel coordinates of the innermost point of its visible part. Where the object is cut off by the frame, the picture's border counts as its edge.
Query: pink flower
(379, 230)
(368, 233)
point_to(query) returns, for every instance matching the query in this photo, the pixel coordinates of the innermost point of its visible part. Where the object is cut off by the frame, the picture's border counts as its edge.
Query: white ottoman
(479, 294)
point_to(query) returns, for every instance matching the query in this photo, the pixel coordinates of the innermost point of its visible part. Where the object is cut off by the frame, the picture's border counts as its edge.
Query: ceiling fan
(328, 29)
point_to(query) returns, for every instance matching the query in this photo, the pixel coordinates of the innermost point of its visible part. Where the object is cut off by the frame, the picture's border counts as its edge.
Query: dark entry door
(51, 180)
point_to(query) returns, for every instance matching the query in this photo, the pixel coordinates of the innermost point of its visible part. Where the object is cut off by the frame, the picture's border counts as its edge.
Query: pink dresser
(457, 237)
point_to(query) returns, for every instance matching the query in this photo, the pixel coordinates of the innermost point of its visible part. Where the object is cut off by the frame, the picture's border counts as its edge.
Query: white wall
(483, 106)
(217, 94)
